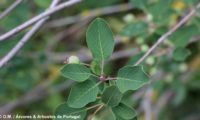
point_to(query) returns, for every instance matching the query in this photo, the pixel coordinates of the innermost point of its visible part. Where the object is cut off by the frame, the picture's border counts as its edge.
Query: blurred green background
(31, 82)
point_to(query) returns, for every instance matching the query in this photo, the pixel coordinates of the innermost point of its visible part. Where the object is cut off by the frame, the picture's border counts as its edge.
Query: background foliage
(32, 79)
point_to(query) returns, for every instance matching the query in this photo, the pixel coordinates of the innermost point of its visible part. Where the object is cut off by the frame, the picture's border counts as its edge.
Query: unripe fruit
(183, 67)
(73, 59)
(139, 40)
(144, 48)
(149, 17)
(150, 60)
(129, 18)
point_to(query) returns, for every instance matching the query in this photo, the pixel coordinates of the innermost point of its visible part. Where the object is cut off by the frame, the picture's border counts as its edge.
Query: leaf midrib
(86, 92)
(132, 80)
(77, 111)
(110, 97)
(100, 45)
(79, 73)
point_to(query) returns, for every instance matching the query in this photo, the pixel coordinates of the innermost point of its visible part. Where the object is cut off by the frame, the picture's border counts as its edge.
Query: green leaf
(182, 36)
(118, 118)
(100, 39)
(180, 54)
(124, 111)
(105, 114)
(135, 29)
(159, 9)
(96, 67)
(65, 112)
(131, 78)
(93, 3)
(76, 72)
(141, 4)
(43, 3)
(83, 93)
(181, 92)
(111, 96)
(191, 2)
(134, 59)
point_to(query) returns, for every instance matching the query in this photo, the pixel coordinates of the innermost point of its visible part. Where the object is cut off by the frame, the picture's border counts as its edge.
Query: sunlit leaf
(100, 39)
(131, 78)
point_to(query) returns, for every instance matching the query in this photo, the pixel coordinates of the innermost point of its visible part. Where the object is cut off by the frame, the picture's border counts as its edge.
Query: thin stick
(147, 105)
(97, 110)
(166, 35)
(88, 108)
(91, 13)
(111, 78)
(10, 9)
(26, 37)
(37, 18)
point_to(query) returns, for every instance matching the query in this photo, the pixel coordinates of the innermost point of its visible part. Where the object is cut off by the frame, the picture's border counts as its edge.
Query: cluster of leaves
(137, 28)
(92, 84)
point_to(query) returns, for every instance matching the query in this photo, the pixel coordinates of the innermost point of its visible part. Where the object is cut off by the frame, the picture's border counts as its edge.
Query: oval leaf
(76, 72)
(100, 39)
(181, 37)
(135, 29)
(141, 4)
(68, 113)
(105, 113)
(82, 94)
(180, 54)
(112, 96)
(131, 78)
(124, 111)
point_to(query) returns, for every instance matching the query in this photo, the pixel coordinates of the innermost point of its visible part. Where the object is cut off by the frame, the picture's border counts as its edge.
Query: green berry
(73, 59)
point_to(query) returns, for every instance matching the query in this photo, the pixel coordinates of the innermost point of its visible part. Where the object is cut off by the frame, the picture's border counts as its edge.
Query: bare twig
(10, 9)
(37, 18)
(26, 37)
(94, 106)
(147, 105)
(72, 30)
(195, 39)
(85, 55)
(97, 110)
(90, 14)
(163, 101)
(166, 35)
